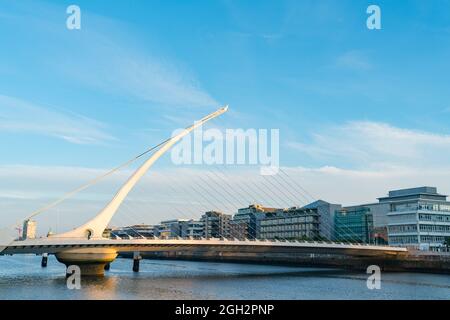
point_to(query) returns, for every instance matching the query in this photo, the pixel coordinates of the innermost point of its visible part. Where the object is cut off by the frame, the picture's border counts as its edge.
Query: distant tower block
(29, 229)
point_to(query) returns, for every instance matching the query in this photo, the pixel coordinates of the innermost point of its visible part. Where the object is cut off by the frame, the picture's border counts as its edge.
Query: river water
(21, 277)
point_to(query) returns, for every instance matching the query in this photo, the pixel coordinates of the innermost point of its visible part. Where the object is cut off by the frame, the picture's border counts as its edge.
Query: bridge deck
(55, 245)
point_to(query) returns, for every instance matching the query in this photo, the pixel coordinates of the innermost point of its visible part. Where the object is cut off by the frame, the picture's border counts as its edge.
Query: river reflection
(21, 277)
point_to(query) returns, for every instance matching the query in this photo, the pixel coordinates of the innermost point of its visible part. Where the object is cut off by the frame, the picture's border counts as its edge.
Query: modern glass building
(418, 218)
(375, 226)
(354, 225)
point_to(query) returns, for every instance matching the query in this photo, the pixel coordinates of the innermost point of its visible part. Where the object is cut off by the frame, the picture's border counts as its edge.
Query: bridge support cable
(242, 191)
(95, 227)
(267, 195)
(5, 235)
(286, 194)
(220, 186)
(224, 181)
(231, 187)
(289, 179)
(169, 184)
(192, 195)
(124, 222)
(290, 195)
(126, 206)
(353, 236)
(294, 199)
(94, 181)
(211, 184)
(322, 214)
(93, 260)
(230, 194)
(198, 189)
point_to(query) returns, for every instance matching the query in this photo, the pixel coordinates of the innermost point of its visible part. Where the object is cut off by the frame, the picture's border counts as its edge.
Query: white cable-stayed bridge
(86, 246)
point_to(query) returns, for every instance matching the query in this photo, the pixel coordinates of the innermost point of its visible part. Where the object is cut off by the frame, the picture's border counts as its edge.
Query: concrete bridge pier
(136, 260)
(92, 261)
(44, 260)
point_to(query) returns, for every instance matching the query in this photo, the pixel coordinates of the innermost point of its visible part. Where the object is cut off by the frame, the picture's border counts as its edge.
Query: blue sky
(348, 101)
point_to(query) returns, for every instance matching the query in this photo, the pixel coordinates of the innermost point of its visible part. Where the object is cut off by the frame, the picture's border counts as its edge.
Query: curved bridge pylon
(94, 228)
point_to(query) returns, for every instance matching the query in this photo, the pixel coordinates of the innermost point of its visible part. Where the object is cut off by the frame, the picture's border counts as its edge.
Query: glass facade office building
(354, 225)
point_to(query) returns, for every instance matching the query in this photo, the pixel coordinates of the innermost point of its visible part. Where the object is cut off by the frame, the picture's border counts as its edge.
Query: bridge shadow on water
(21, 277)
(235, 271)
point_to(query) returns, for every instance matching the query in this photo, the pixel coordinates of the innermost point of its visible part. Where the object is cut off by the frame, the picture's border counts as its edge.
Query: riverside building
(246, 222)
(216, 224)
(194, 229)
(290, 224)
(314, 221)
(135, 231)
(354, 225)
(29, 229)
(366, 223)
(418, 218)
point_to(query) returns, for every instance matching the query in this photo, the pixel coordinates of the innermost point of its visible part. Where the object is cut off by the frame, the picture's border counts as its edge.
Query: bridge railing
(248, 240)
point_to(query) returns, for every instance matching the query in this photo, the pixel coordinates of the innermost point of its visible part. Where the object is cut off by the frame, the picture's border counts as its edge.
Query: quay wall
(432, 263)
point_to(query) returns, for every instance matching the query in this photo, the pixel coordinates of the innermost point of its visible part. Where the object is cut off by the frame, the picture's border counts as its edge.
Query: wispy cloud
(152, 80)
(366, 144)
(356, 186)
(188, 192)
(104, 56)
(17, 115)
(354, 60)
(139, 76)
